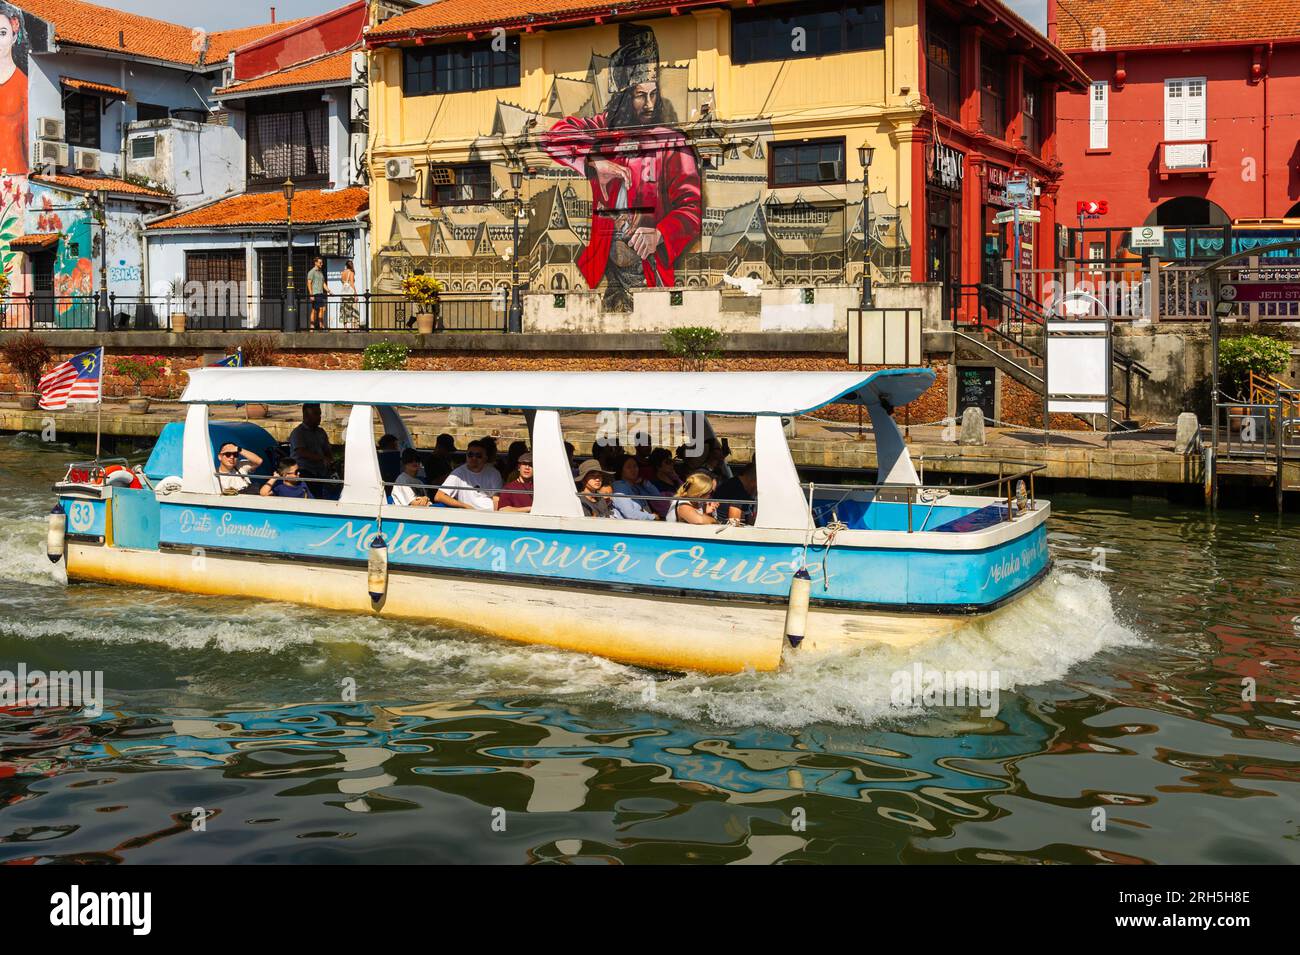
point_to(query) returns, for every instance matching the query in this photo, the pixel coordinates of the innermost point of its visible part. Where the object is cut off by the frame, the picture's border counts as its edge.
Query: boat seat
(986, 516)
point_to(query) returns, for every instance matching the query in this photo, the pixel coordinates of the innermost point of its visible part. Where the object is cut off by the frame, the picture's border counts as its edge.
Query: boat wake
(215, 645)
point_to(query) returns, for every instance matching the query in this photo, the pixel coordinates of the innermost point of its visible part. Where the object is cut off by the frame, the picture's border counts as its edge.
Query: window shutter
(1175, 109)
(1194, 109)
(1099, 131)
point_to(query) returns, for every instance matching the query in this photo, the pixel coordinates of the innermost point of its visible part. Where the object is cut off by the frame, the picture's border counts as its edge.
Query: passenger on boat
(490, 449)
(593, 491)
(445, 444)
(691, 504)
(642, 448)
(234, 464)
(409, 489)
(666, 478)
(309, 445)
(287, 482)
(513, 453)
(742, 487)
(517, 495)
(633, 500)
(475, 481)
(387, 443)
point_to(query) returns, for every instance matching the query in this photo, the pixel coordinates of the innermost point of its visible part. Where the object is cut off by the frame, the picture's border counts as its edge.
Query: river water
(1148, 711)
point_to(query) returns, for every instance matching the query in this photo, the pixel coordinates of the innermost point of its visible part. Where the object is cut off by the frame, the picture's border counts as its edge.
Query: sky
(226, 14)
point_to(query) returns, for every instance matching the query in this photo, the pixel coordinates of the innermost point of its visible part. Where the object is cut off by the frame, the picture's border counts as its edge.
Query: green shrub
(1240, 355)
(693, 346)
(385, 356)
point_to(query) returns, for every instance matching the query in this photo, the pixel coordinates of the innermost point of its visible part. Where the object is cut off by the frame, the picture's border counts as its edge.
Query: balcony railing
(1186, 157)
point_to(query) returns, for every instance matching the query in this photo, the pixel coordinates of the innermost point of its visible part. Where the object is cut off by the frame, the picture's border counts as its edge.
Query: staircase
(1010, 328)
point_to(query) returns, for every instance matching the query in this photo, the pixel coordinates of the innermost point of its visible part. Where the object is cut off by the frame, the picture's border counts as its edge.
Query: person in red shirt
(13, 94)
(517, 495)
(645, 182)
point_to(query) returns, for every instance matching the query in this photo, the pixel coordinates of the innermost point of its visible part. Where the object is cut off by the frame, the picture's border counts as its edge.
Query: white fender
(58, 529)
(377, 570)
(796, 611)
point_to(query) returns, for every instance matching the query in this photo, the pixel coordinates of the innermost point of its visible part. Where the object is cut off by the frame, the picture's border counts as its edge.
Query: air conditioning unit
(48, 153)
(86, 160)
(399, 169)
(49, 128)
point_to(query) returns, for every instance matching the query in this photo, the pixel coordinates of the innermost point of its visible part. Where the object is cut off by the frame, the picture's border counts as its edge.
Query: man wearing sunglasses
(234, 464)
(475, 481)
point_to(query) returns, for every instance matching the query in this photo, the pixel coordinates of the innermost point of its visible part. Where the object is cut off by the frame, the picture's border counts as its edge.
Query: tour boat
(822, 568)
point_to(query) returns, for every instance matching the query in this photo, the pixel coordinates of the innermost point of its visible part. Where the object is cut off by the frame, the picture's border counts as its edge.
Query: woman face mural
(13, 93)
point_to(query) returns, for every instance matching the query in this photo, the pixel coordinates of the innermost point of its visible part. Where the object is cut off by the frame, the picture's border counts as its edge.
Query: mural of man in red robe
(13, 94)
(645, 183)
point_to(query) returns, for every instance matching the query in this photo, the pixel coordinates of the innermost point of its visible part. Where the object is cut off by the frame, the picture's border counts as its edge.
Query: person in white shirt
(234, 464)
(475, 481)
(409, 489)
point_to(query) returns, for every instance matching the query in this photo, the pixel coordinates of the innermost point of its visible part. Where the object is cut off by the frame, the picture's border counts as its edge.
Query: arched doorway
(1188, 210)
(1293, 212)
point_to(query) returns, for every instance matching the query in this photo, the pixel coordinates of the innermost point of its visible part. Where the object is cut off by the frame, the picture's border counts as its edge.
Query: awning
(734, 392)
(91, 87)
(37, 242)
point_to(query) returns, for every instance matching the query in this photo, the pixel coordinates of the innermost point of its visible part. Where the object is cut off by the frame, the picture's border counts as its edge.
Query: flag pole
(99, 405)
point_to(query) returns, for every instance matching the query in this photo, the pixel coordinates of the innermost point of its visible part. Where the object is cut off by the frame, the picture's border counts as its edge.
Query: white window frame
(1178, 125)
(1099, 115)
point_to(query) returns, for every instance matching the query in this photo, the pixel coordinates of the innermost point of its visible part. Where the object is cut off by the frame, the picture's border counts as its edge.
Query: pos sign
(1091, 210)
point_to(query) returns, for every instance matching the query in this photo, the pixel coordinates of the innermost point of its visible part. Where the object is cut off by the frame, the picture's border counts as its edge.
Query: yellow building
(660, 144)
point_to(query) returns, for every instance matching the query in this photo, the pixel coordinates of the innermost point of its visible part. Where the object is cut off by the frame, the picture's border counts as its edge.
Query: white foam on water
(1066, 620)
(22, 544)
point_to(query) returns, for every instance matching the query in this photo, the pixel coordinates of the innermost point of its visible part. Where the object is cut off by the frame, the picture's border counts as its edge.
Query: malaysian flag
(230, 361)
(79, 379)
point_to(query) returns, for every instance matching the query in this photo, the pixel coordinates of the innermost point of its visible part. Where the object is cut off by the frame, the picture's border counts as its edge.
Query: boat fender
(796, 611)
(58, 527)
(377, 569)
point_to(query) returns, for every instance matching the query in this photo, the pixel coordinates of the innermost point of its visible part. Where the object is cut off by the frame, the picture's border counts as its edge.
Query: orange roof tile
(96, 183)
(1129, 23)
(103, 28)
(89, 87)
(35, 242)
(445, 15)
(330, 69)
(310, 207)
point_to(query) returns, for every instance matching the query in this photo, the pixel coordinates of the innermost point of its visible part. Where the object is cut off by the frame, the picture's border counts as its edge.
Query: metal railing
(362, 312)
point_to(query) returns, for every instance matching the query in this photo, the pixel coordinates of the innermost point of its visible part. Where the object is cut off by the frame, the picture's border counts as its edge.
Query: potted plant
(139, 368)
(423, 291)
(258, 351)
(27, 355)
(177, 303)
(1242, 356)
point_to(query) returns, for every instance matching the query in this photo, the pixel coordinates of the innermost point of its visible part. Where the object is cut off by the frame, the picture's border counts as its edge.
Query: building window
(219, 265)
(1099, 116)
(81, 120)
(288, 141)
(791, 31)
(993, 93)
(1032, 117)
(144, 147)
(818, 163)
(1185, 108)
(148, 112)
(943, 66)
(469, 184)
(460, 67)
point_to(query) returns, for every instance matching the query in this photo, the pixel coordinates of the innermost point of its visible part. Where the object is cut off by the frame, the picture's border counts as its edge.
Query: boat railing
(920, 494)
(91, 472)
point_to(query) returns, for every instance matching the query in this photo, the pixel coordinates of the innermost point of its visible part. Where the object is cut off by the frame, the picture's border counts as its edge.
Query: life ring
(117, 476)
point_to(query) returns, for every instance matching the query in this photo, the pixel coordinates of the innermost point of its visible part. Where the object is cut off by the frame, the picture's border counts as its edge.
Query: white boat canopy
(727, 392)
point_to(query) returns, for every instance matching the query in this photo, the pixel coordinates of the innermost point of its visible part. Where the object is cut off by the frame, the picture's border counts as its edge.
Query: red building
(1192, 117)
(989, 85)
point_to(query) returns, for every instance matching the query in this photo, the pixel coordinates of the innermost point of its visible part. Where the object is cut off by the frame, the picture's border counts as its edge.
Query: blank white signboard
(1077, 366)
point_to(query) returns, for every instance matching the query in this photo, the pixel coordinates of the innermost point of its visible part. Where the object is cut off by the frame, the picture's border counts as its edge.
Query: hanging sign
(947, 168)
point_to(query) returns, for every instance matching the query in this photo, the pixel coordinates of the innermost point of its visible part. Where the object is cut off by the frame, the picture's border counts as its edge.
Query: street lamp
(516, 318)
(290, 305)
(102, 317)
(865, 155)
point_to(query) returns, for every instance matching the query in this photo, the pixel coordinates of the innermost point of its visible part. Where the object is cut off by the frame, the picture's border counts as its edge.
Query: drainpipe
(1268, 67)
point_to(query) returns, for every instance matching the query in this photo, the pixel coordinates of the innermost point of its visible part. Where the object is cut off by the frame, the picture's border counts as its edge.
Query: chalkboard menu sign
(975, 389)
